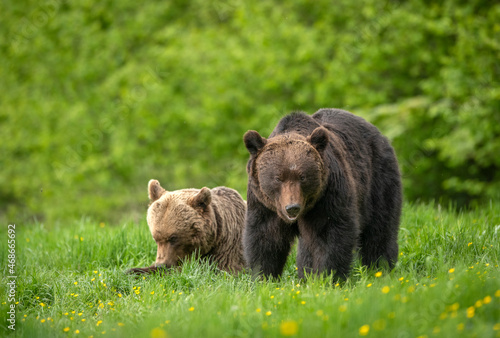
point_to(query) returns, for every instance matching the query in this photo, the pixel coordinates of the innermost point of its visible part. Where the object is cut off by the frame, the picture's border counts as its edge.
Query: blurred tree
(100, 97)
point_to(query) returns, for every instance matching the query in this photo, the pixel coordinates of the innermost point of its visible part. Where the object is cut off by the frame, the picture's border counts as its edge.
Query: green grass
(446, 284)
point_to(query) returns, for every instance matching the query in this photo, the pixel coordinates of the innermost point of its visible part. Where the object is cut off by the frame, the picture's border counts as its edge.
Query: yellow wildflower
(158, 333)
(363, 330)
(289, 328)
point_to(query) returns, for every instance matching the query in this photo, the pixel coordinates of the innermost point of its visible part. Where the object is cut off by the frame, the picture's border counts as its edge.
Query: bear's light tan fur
(208, 221)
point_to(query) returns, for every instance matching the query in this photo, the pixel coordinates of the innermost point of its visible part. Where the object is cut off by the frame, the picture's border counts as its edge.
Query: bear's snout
(292, 210)
(290, 203)
(166, 255)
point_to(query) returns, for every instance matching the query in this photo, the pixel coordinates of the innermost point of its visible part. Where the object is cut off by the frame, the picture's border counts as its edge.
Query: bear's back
(296, 122)
(336, 120)
(345, 123)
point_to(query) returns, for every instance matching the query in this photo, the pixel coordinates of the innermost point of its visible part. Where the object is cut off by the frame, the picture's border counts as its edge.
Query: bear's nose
(292, 210)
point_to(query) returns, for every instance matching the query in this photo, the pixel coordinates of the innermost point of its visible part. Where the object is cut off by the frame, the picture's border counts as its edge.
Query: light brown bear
(207, 221)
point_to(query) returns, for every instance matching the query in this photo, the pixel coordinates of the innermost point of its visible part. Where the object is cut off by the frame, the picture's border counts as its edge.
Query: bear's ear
(155, 190)
(202, 199)
(319, 139)
(254, 142)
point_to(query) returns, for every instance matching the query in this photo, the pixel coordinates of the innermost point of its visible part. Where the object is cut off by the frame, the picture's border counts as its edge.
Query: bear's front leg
(267, 240)
(145, 271)
(304, 259)
(328, 247)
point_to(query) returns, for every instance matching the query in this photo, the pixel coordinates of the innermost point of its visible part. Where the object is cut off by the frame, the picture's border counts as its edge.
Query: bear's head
(181, 222)
(287, 170)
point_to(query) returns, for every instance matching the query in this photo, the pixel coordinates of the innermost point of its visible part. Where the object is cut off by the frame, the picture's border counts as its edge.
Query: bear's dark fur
(331, 179)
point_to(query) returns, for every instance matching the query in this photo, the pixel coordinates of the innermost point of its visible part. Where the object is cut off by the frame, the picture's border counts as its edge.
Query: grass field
(70, 281)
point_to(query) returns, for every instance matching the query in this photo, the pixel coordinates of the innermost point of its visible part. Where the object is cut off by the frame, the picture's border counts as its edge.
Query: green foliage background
(99, 97)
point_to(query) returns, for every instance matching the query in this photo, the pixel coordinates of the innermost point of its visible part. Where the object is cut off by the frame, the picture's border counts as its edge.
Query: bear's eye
(172, 239)
(277, 179)
(302, 178)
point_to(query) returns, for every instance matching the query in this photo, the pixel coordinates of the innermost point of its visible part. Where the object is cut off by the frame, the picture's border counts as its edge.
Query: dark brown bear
(331, 179)
(207, 221)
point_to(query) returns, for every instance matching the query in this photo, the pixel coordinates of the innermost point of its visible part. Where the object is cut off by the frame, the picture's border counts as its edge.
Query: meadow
(71, 282)
(99, 97)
